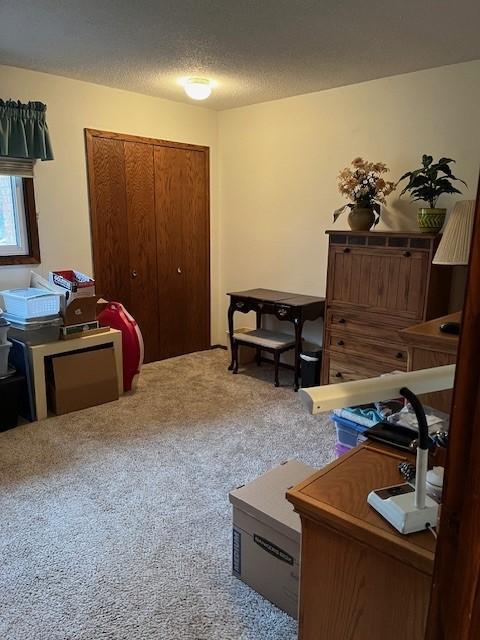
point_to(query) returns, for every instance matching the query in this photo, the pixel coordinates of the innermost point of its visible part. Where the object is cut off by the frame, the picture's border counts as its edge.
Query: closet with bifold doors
(149, 213)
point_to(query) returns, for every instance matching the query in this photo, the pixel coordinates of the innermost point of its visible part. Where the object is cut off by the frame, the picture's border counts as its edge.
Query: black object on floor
(10, 389)
(310, 367)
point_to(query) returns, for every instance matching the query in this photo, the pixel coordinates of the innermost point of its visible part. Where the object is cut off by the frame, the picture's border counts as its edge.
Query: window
(18, 219)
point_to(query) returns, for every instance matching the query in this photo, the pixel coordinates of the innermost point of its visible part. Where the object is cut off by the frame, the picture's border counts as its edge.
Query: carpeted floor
(115, 522)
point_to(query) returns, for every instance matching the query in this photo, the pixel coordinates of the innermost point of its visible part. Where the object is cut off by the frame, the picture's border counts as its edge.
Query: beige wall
(61, 185)
(279, 161)
(273, 166)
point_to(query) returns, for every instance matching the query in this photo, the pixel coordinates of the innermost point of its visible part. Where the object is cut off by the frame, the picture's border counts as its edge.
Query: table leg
(258, 358)
(298, 324)
(231, 311)
(38, 367)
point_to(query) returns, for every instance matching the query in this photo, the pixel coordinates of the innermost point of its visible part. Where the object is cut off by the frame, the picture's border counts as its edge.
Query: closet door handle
(179, 270)
(407, 254)
(134, 273)
(346, 250)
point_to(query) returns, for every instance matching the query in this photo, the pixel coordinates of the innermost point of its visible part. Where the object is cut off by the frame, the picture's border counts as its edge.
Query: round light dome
(197, 88)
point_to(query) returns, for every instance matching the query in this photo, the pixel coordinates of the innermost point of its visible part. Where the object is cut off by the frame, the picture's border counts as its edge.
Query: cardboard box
(80, 311)
(266, 535)
(81, 379)
(76, 283)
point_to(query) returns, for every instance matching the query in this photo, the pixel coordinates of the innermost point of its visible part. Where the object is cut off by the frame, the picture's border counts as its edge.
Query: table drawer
(371, 325)
(343, 368)
(344, 342)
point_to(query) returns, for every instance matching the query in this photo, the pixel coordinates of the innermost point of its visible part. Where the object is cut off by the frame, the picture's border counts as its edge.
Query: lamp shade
(454, 247)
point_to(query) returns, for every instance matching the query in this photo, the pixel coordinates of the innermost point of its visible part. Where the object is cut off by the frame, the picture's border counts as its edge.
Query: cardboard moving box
(81, 379)
(266, 535)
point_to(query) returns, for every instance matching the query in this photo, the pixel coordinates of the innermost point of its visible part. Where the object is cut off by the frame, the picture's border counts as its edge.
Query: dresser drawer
(343, 368)
(351, 344)
(371, 325)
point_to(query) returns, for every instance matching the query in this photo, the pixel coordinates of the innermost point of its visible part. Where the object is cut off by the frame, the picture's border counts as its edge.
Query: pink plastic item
(117, 317)
(340, 449)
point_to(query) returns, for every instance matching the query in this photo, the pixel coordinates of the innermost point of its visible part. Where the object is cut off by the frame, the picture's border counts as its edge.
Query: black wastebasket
(10, 388)
(310, 365)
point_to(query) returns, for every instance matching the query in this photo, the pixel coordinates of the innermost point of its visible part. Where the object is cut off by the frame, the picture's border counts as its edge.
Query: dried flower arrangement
(364, 185)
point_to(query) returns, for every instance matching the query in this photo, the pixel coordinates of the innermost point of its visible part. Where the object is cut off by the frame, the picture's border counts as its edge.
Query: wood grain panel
(380, 279)
(181, 185)
(343, 342)
(424, 359)
(140, 199)
(457, 564)
(196, 267)
(108, 212)
(350, 591)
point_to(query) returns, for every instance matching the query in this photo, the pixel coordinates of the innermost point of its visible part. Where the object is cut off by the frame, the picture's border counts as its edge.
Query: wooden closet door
(149, 211)
(182, 223)
(108, 209)
(122, 204)
(140, 199)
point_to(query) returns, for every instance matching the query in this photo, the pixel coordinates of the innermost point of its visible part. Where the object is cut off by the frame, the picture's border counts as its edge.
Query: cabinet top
(336, 496)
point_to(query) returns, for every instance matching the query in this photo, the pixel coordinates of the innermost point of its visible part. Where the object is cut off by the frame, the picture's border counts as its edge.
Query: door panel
(109, 219)
(140, 198)
(381, 281)
(182, 250)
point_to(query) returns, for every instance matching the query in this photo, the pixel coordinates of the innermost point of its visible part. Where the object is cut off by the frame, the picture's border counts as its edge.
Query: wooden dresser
(360, 579)
(378, 283)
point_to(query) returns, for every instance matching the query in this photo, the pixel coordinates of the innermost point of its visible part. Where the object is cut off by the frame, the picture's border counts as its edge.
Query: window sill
(17, 260)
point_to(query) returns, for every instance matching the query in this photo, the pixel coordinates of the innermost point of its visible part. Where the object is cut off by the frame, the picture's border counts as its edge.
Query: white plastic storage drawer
(31, 303)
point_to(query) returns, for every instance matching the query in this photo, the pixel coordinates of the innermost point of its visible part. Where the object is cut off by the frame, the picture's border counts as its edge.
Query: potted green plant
(427, 184)
(364, 185)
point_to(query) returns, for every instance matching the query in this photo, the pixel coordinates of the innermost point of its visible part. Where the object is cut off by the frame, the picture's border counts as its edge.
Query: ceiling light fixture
(197, 88)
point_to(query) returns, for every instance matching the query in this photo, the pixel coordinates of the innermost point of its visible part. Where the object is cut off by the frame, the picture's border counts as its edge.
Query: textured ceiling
(255, 50)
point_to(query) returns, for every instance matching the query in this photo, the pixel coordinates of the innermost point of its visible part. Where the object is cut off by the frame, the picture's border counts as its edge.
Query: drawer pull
(346, 250)
(407, 254)
(340, 343)
(282, 312)
(239, 305)
(338, 375)
(342, 321)
(399, 355)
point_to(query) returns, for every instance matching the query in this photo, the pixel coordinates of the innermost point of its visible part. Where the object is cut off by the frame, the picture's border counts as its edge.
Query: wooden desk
(359, 579)
(39, 352)
(430, 347)
(291, 307)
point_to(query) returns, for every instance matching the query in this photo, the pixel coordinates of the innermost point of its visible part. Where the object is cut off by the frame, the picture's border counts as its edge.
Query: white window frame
(21, 248)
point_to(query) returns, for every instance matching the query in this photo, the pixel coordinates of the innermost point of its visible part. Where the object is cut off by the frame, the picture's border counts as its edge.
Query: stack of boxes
(33, 314)
(79, 302)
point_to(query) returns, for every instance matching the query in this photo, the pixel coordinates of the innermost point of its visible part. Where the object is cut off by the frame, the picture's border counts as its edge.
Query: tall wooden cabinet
(149, 207)
(378, 283)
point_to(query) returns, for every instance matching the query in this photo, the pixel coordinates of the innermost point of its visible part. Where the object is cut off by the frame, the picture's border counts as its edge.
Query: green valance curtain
(24, 130)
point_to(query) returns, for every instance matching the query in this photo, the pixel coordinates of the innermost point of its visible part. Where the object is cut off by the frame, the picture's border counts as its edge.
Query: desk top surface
(282, 297)
(428, 334)
(337, 496)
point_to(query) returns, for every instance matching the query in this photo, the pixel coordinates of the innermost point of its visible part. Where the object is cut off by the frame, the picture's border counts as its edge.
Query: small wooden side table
(39, 352)
(427, 347)
(359, 578)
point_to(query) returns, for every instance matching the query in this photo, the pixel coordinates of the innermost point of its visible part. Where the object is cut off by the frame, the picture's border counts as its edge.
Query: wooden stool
(264, 340)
